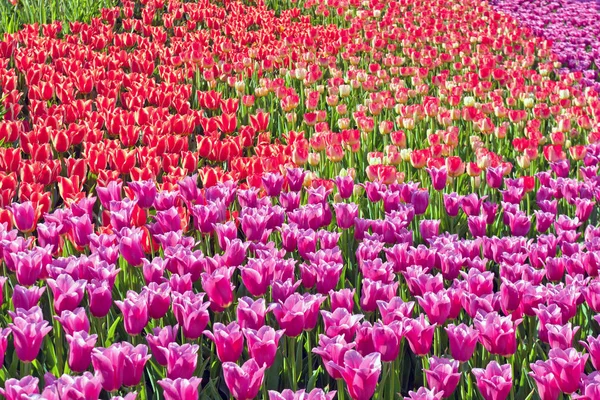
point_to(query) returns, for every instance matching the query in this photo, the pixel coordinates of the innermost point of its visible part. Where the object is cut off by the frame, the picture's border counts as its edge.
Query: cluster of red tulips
(296, 200)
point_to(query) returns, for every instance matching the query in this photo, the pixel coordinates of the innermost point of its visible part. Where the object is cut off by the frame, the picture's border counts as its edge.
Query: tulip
(181, 360)
(298, 313)
(109, 365)
(135, 312)
(443, 375)
(228, 340)
(419, 334)
(262, 344)
(452, 203)
(28, 332)
(545, 380)
(4, 333)
(495, 381)
(180, 389)
(219, 288)
(567, 366)
(29, 266)
(244, 382)
(496, 333)
(24, 216)
(439, 176)
(81, 345)
(251, 314)
(74, 321)
(360, 373)
(424, 394)
(191, 313)
(27, 298)
(561, 337)
(130, 245)
(343, 298)
(144, 192)
(315, 394)
(463, 340)
(67, 292)
(436, 305)
(340, 322)
(15, 389)
(159, 341)
(386, 341)
(159, 299)
(420, 201)
(100, 297)
(135, 361)
(373, 291)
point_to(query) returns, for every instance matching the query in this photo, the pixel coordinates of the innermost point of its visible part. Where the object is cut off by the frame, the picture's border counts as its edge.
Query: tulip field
(299, 199)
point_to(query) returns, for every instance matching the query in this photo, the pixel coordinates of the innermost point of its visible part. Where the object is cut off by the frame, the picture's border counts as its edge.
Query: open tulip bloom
(300, 200)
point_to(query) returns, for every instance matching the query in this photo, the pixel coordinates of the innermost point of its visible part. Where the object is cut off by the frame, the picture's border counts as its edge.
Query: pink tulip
(135, 312)
(332, 350)
(109, 365)
(244, 382)
(218, 287)
(443, 375)
(341, 322)
(360, 373)
(180, 389)
(315, 394)
(495, 381)
(229, 341)
(181, 360)
(436, 305)
(424, 394)
(567, 366)
(191, 312)
(15, 389)
(262, 344)
(67, 292)
(419, 333)
(462, 339)
(81, 345)
(28, 329)
(496, 333)
(135, 362)
(298, 312)
(74, 321)
(545, 380)
(161, 337)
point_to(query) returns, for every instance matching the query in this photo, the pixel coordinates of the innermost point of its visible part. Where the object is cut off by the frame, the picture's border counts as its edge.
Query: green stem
(292, 357)
(340, 389)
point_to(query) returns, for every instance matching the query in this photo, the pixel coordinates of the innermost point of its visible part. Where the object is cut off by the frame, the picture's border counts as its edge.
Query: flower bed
(351, 199)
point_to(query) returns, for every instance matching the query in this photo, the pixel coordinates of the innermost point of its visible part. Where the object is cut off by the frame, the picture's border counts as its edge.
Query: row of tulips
(571, 25)
(358, 199)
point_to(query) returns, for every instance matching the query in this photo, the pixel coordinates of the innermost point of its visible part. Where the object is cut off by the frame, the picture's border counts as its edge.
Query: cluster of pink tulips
(299, 201)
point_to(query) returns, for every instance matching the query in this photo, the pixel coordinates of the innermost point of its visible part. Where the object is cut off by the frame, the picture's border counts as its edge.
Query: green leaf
(111, 332)
(272, 378)
(313, 379)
